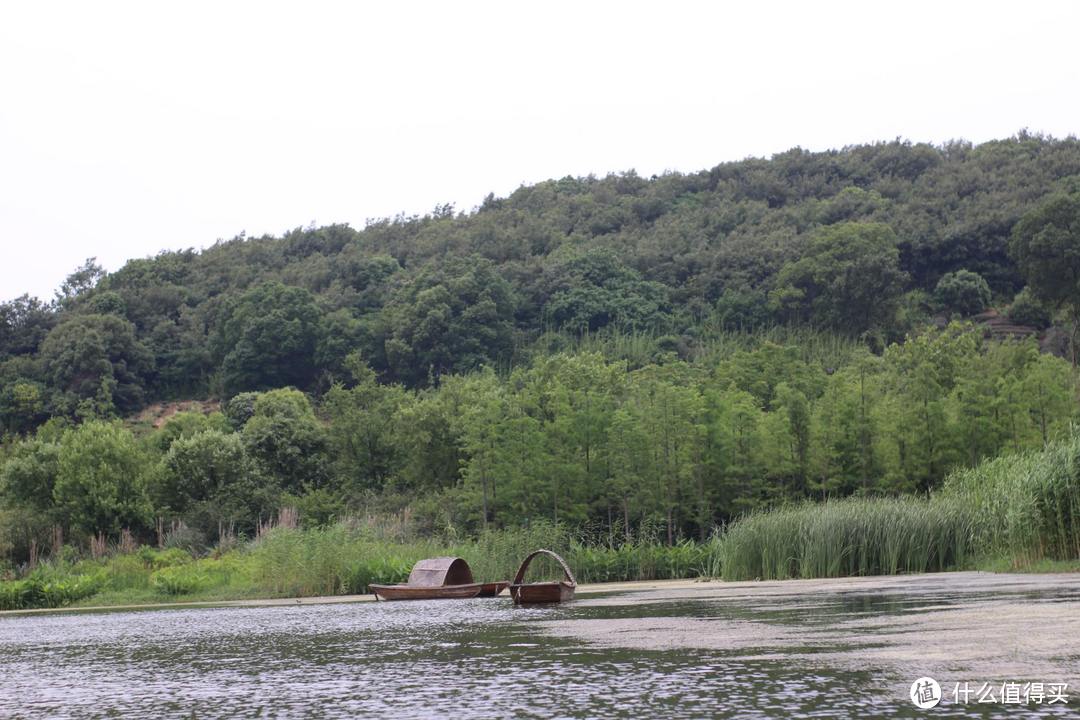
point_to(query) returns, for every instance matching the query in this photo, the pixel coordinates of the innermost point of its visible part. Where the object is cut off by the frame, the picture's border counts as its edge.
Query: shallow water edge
(835, 648)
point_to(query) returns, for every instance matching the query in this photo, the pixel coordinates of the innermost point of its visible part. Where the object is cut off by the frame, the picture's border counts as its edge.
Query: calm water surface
(470, 658)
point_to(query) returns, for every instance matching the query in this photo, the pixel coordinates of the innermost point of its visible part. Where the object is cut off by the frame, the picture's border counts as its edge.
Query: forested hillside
(617, 352)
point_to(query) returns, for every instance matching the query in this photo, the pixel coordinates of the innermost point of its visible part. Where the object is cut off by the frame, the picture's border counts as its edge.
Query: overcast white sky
(128, 128)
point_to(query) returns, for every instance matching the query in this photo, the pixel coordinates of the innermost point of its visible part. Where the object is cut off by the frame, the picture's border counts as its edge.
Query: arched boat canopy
(436, 572)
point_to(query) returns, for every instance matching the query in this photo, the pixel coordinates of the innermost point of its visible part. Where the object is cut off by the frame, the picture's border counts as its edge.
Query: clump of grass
(641, 561)
(854, 536)
(39, 592)
(1023, 508)
(496, 554)
(328, 561)
(1027, 506)
(179, 580)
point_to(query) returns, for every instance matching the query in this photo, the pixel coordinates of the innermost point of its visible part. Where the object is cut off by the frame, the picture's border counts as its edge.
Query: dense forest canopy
(618, 350)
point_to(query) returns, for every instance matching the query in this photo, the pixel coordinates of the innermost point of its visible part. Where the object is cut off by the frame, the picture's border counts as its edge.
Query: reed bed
(1024, 508)
(855, 536)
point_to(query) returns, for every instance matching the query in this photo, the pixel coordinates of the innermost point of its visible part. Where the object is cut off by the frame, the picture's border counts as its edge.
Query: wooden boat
(493, 589)
(542, 592)
(446, 592)
(438, 578)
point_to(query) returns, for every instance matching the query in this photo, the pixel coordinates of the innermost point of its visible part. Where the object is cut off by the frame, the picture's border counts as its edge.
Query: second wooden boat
(525, 593)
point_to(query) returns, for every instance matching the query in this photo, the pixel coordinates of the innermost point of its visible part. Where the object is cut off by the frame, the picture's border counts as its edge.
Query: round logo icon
(925, 693)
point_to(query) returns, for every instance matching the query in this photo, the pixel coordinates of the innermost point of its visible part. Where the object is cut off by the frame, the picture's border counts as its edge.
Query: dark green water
(478, 658)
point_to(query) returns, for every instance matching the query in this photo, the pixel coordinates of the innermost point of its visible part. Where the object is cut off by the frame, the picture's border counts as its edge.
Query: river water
(470, 658)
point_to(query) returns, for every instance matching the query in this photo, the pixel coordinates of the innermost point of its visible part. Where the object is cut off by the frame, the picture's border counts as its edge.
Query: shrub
(179, 580)
(35, 592)
(963, 292)
(1027, 310)
(157, 559)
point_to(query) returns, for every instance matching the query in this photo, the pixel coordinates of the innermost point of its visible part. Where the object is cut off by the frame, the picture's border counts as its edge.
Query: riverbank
(336, 560)
(1047, 568)
(649, 591)
(586, 589)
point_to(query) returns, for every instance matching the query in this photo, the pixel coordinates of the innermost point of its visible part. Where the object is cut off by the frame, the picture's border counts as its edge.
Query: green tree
(963, 292)
(365, 429)
(733, 460)
(628, 465)
(478, 428)
(240, 408)
(1046, 247)
(1026, 309)
(22, 406)
(96, 365)
(1048, 390)
(594, 288)
(206, 479)
(795, 410)
(286, 443)
(197, 467)
(186, 424)
(28, 476)
(849, 279)
(926, 369)
(674, 422)
(24, 323)
(453, 317)
(761, 370)
(269, 339)
(100, 480)
(80, 282)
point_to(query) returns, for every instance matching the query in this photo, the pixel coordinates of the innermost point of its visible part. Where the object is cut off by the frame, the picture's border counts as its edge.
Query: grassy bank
(1015, 512)
(339, 559)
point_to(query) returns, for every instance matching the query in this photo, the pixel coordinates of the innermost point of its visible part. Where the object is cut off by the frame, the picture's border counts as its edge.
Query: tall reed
(1024, 508)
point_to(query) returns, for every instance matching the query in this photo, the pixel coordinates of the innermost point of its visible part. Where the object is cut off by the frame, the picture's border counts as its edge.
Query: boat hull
(412, 592)
(544, 592)
(493, 589)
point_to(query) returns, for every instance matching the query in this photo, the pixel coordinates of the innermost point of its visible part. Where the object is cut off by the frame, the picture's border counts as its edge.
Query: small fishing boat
(405, 592)
(439, 578)
(542, 592)
(492, 589)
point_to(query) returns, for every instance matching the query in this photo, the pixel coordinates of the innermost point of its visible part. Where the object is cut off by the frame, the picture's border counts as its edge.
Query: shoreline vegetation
(1016, 512)
(339, 559)
(843, 363)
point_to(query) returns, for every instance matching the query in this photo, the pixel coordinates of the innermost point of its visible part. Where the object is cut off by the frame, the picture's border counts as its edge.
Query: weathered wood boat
(542, 592)
(438, 578)
(405, 592)
(492, 589)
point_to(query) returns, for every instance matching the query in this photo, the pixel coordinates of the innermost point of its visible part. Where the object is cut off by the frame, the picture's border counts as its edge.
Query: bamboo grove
(671, 449)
